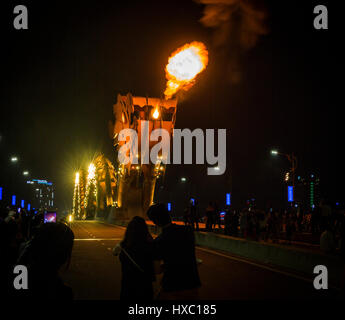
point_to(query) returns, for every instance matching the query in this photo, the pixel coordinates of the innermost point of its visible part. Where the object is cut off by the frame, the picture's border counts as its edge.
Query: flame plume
(183, 66)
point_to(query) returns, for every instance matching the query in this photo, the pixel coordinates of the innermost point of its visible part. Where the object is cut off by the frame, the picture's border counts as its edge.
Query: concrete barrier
(295, 259)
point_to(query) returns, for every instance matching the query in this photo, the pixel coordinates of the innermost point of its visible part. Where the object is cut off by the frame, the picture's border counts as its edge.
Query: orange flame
(183, 67)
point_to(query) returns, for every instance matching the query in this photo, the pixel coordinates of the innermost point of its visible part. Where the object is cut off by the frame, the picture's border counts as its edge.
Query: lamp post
(293, 162)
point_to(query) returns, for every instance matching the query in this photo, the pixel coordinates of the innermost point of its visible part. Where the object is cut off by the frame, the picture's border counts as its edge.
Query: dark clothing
(227, 222)
(136, 284)
(44, 284)
(194, 217)
(209, 218)
(176, 247)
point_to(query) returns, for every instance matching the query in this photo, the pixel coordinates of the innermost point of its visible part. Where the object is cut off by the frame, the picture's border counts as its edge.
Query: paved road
(95, 273)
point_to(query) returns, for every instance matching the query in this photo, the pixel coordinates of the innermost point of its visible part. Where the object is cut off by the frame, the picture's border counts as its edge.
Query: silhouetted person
(176, 247)
(290, 227)
(194, 215)
(136, 255)
(209, 216)
(48, 250)
(327, 240)
(326, 213)
(216, 216)
(244, 223)
(186, 217)
(227, 221)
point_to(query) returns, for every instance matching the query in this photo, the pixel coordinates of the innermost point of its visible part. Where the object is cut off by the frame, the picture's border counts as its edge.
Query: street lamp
(25, 173)
(183, 179)
(293, 161)
(14, 159)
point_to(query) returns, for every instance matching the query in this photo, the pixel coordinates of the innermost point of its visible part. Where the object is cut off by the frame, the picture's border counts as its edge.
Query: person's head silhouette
(52, 245)
(159, 214)
(136, 233)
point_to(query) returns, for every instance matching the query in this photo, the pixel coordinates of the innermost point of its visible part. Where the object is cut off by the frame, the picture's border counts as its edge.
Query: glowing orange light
(183, 67)
(156, 114)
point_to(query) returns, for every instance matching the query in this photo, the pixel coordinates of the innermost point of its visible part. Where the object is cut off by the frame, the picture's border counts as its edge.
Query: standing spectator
(194, 214)
(315, 220)
(186, 217)
(327, 241)
(244, 223)
(136, 256)
(209, 216)
(227, 221)
(234, 223)
(176, 247)
(290, 227)
(216, 217)
(326, 213)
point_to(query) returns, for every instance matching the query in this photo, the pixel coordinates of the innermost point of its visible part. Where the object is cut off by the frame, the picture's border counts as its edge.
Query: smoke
(238, 25)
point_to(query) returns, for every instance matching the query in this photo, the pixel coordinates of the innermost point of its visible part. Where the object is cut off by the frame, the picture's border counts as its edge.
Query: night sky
(62, 76)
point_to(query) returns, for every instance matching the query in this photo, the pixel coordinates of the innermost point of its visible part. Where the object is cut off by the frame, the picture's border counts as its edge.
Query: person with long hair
(136, 256)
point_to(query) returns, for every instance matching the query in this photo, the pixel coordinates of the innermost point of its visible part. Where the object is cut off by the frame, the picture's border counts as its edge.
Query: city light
(169, 206)
(76, 196)
(275, 152)
(290, 193)
(25, 173)
(13, 200)
(14, 159)
(22, 204)
(91, 171)
(29, 206)
(1, 193)
(183, 179)
(90, 184)
(228, 199)
(77, 178)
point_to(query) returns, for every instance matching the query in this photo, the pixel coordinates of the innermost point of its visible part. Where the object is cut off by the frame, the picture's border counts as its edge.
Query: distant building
(307, 192)
(41, 194)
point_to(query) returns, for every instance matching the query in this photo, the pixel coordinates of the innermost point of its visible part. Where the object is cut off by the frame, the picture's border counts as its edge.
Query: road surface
(95, 273)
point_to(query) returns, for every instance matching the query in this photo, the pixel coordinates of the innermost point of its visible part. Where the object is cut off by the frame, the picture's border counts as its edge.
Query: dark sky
(61, 78)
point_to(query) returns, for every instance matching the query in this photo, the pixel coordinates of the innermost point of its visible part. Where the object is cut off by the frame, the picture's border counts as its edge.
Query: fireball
(183, 67)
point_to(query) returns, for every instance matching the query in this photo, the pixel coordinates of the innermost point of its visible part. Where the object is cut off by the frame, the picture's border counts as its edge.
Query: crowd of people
(42, 248)
(45, 248)
(171, 254)
(322, 225)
